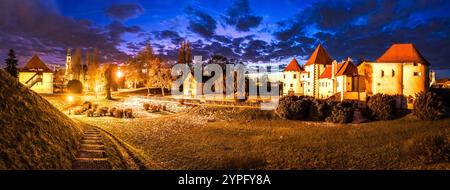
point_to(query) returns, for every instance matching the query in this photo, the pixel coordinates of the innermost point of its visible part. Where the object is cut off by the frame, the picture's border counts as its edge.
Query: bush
(428, 106)
(428, 148)
(324, 109)
(342, 112)
(75, 86)
(86, 105)
(146, 106)
(111, 111)
(382, 106)
(298, 108)
(90, 113)
(128, 113)
(118, 113)
(102, 111)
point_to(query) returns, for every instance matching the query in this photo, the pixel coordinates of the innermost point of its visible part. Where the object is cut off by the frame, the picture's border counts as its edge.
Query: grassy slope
(33, 133)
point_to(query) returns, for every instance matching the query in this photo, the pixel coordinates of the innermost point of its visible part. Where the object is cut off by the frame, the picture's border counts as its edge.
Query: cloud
(116, 29)
(30, 27)
(124, 11)
(239, 15)
(201, 22)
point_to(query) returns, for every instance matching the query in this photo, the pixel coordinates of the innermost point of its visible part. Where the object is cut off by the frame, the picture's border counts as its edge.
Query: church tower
(68, 65)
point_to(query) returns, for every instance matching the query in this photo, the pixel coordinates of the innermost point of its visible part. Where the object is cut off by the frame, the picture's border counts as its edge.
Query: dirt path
(92, 154)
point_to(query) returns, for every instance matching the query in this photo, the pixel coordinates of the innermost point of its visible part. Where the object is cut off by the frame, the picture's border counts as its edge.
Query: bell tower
(68, 64)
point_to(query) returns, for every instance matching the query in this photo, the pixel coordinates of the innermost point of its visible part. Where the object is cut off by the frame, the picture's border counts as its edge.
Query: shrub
(90, 113)
(382, 106)
(75, 86)
(86, 105)
(342, 112)
(78, 112)
(324, 109)
(428, 106)
(118, 113)
(293, 107)
(433, 148)
(128, 113)
(102, 111)
(146, 106)
(111, 111)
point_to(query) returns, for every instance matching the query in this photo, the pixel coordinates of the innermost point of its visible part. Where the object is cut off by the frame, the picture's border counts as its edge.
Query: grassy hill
(33, 133)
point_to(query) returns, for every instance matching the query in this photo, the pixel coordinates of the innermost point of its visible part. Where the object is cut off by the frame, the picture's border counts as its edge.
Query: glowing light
(119, 74)
(70, 98)
(96, 88)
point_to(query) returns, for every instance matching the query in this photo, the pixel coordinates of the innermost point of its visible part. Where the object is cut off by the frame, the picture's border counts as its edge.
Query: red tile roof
(319, 56)
(400, 53)
(345, 68)
(36, 64)
(293, 66)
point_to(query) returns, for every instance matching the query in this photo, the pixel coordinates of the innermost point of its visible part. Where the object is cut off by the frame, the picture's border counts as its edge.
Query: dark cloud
(116, 29)
(124, 11)
(239, 15)
(168, 34)
(366, 29)
(30, 27)
(201, 22)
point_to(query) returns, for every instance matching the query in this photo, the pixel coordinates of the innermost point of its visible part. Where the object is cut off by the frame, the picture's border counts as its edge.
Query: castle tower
(68, 65)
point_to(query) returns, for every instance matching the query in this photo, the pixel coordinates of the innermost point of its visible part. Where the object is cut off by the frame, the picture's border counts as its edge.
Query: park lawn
(202, 141)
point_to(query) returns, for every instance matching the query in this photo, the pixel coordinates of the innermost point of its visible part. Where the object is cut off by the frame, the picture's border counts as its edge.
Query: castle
(401, 70)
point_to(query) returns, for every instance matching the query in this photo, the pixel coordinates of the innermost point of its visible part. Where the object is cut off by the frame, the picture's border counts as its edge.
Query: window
(295, 76)
(284, 76)
(301, 85)
(337, 84)
(416, 73)
(382, 73)
(292, 85)
(415, 64)
(308, 74)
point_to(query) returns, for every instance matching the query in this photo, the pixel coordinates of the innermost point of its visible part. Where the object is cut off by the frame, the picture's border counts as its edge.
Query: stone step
(91, 142)
(91, 138)
(91, 163)
(92, 147)
(91, 154)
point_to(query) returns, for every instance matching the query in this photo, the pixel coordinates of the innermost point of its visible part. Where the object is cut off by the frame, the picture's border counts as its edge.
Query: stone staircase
(92, 154)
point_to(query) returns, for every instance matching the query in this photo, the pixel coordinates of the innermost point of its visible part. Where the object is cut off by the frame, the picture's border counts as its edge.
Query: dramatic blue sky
(251, 30)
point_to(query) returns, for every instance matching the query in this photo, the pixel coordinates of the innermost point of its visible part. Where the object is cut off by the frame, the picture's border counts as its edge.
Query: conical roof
(401, 53)
(320, 56)
(293, 66)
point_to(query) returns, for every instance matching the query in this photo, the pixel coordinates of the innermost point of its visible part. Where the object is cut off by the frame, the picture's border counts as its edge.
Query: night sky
(251, 30)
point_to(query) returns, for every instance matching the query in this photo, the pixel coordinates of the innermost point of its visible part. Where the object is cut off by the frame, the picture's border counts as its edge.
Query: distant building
(37, 76)
(291, 79)
(401, 70)
(314, 67)
(339, 80)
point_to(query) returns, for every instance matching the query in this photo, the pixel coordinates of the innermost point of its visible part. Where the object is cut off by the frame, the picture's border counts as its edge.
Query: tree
(182, 53)
(188, 58)
(92, 73)
(11, 63)
(109, 79)
(77, 68)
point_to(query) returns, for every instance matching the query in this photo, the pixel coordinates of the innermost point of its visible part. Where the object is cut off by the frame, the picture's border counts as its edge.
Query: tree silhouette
(11, 63)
